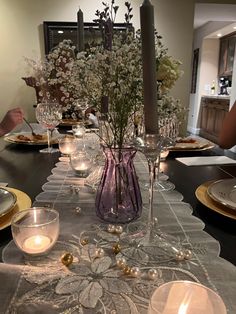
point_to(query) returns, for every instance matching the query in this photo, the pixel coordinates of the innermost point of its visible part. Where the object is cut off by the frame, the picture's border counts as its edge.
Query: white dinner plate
(7, 201)
(224, 192)
(26, 138)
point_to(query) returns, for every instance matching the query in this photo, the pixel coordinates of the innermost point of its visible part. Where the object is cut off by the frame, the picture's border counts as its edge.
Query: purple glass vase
(118, 198)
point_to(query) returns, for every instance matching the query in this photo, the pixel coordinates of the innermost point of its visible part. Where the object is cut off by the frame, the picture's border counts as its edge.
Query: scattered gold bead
(116, 248)
(111, 228)
(126, 270)
(118, 229)
(67, 259)
(121, 262)
(135, 272)
(84, 241)
(179, 256)
(187, 254)
(152, 273)
(99, 252)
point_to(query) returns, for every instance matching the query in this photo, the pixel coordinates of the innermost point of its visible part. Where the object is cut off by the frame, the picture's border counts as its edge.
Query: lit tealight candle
(81, 168)
(37, 244)
(67, 145)
(78, 130)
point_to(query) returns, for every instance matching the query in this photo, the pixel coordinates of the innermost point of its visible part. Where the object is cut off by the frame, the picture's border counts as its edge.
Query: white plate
(7, 201)
(28, 139)
(224, 192)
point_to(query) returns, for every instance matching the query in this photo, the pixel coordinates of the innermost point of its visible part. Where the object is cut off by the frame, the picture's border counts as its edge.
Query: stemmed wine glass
(49, 115)
(150, 235)
(150, 145)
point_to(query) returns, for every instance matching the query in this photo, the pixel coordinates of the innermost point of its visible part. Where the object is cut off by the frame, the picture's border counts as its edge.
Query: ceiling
(205, 12)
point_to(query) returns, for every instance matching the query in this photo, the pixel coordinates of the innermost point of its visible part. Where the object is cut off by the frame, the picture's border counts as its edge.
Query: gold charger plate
(23, 202)
(14, 138)
(204, 198)
(70, 122)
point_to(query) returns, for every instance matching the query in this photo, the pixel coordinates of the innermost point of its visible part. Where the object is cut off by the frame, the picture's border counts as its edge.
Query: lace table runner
(97, 285)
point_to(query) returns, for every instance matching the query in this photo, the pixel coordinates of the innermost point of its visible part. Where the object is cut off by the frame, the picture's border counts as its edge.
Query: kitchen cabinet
(226, 56)
(212, 113)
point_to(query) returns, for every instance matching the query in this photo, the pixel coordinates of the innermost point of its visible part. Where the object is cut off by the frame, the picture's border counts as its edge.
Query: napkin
(206, 160)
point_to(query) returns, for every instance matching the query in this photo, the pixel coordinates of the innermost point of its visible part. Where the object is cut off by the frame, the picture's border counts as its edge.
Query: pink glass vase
(118, 198)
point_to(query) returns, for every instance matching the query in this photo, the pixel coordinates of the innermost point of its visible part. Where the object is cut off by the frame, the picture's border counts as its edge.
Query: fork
(32, 131)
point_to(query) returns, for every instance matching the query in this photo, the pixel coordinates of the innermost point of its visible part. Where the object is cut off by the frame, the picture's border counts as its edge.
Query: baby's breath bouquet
(107, 75)
(114, 71)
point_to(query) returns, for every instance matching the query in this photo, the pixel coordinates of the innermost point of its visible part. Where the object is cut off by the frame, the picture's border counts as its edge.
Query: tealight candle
(35, 230)
(67, 145)
(36, 244)
(80, 163)
(185, 297)
(78, 130)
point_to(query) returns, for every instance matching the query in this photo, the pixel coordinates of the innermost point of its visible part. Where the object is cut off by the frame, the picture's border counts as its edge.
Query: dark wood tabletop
(26, 169)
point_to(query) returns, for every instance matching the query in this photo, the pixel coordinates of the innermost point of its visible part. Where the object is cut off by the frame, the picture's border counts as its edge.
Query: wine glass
(49, 115)
(150, 145)
(159, 184)
(150, 235)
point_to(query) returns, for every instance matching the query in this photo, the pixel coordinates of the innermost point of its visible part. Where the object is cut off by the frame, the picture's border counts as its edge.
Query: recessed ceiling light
(60, 32)
(219, 35)
(234, 27)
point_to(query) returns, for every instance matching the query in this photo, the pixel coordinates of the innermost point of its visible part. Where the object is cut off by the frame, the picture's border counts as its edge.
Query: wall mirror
(55, 32)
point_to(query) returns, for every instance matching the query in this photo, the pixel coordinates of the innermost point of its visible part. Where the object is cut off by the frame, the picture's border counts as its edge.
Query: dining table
(94, 284)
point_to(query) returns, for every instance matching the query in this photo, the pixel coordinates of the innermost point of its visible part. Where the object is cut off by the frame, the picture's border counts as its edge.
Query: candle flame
(38, 240)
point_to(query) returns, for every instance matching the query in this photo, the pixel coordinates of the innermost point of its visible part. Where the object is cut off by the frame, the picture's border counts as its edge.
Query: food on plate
(22, 137)
(186, 140)
(38, 137)
(30, 138)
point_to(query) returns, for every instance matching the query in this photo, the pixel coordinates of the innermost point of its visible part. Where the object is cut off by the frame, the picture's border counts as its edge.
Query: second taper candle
(149, 67)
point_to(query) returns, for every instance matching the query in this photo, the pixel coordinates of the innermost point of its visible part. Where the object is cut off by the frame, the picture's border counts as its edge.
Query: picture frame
(55, 32)
(194, 70)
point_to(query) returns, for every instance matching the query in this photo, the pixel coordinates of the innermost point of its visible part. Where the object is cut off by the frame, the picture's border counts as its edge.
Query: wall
(22, 36)
(207, 72)
(207, 68)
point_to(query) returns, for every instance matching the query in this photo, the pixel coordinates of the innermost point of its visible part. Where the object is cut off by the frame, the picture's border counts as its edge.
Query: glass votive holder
(67, 145)
(35, 230)
(78, 130)
(80, 163)
(164, 154)
(185, 297)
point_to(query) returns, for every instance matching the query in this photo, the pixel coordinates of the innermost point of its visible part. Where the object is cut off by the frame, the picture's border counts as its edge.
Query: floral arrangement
(111, 70)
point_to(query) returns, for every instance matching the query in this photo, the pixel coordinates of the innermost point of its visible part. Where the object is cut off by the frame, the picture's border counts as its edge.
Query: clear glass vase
(118, 198)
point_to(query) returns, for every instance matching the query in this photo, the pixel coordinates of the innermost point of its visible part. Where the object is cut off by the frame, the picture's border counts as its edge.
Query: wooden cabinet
(212, 114)
(226, 57)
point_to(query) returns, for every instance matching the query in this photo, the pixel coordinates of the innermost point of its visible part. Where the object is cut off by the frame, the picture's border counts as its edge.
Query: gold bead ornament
(99, 252)
(121, 262)
(116, 248)
(67, 259)
(84, 241)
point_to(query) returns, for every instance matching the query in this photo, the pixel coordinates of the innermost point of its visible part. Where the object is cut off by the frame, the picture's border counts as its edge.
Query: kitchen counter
(217, 96)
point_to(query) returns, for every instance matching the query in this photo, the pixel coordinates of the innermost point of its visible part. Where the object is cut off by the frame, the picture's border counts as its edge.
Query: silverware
(32, 131)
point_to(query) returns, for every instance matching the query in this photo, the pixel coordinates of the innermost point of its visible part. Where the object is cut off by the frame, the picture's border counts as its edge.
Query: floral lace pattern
(90, 284)
(97, 285)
